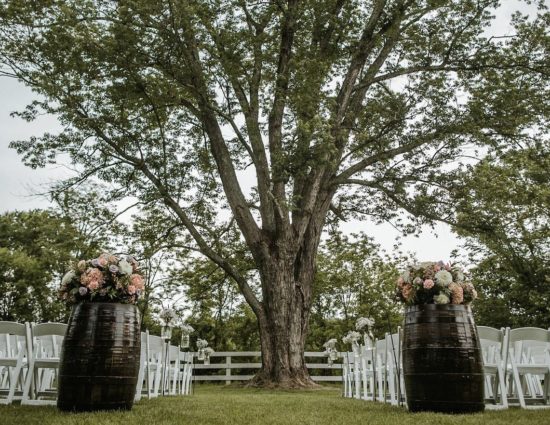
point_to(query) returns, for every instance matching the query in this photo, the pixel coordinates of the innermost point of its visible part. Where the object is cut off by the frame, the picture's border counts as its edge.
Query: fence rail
(230, 366)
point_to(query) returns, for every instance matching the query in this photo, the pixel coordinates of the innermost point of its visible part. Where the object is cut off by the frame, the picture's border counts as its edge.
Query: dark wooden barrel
(100, 358)
(442, 362)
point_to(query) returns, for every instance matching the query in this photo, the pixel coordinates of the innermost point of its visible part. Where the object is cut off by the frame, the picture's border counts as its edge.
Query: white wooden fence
(233, 361)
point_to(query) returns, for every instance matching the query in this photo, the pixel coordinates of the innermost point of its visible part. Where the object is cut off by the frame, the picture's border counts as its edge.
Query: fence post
(228, 370)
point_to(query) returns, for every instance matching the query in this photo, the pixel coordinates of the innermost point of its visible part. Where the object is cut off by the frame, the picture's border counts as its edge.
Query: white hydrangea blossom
(70, 275)
(441, 299)
(443, 277)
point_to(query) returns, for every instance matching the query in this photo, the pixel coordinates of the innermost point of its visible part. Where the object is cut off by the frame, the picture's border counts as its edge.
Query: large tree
(272, 117)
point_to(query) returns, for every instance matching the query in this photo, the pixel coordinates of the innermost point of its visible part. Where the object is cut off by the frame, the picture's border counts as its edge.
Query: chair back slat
(12, 328)
(529, 334)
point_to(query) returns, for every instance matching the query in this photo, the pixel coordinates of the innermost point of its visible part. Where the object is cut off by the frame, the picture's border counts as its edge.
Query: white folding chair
(143, 376)
(380, 365)
(172, 370)
(394, 368)
(348, 373)
(43, 364)
(368, 373)
(530, 373)
(155, 364)
(187, 374)
(493, 344)
(13, 360)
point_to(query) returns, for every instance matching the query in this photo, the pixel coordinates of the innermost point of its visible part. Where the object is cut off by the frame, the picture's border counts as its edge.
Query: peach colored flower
(428, 284)
(407, 292)
(137, 281)
(81, 265)
(93, 285)
(102, 261)
(92, 274)
(113, 259)
(131, 289)
(457, 293)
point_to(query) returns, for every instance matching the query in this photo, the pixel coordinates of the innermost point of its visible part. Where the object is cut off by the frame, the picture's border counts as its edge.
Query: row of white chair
(164, 369)
(375, 373)
(29, 361)
(30, 375)
(516, 367)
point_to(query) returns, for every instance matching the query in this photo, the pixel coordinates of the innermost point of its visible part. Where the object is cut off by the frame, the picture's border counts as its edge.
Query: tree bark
(283, 326)
(287, 287)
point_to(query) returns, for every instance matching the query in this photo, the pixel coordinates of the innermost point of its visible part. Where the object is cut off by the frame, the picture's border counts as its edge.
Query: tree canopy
(274, 118)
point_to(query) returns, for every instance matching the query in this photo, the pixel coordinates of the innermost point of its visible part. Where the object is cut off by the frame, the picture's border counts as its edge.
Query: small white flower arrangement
(202, 343)
(167, 317)
(330, 350)
(186, 331)
(351, 337)
(365, 324)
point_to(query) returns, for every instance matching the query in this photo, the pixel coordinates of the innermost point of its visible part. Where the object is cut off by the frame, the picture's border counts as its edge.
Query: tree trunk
(287, 282)
(283, 328)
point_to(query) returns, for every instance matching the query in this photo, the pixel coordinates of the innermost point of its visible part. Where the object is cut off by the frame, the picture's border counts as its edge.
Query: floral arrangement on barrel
(353, 338)
(435, 283)
(330, 350)
(107, 278)
(365, 324)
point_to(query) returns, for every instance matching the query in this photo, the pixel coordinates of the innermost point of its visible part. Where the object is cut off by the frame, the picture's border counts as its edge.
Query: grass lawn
(214, 405)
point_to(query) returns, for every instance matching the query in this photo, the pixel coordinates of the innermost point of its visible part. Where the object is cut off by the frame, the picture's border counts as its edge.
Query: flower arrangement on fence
(435, 283)
(108, 278)
(204, 351)
(208, 351)
(330, 350)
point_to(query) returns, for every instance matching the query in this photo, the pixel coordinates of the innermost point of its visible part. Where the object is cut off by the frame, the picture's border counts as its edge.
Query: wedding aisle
(221, 405)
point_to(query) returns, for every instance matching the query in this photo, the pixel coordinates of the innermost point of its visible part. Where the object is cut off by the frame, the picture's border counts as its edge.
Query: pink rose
(93, 285)
(131, 289)
(428, 284)
(102, 261)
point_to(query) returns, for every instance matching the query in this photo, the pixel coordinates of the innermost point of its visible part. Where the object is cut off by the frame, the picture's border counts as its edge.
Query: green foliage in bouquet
(107, 278)
(435, 283)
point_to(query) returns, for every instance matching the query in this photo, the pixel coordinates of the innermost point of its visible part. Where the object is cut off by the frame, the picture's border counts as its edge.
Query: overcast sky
(18, 183)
